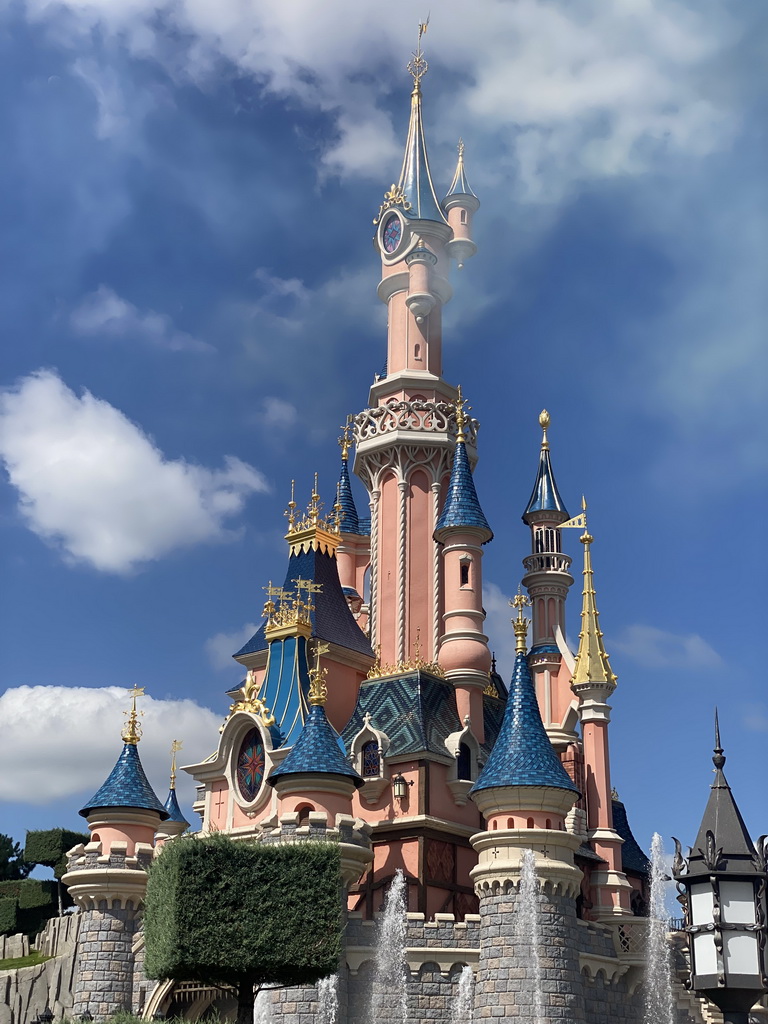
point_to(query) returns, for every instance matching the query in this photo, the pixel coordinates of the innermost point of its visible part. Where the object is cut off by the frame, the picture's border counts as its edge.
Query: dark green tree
(49, 847)
(243, 915)
(12, 863)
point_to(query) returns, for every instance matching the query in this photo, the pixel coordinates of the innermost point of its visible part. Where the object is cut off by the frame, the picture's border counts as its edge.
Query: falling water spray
(465, 998)
(659, 1003)
(389, 1000)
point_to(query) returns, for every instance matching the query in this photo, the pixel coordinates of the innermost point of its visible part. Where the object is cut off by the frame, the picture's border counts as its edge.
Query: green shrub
(226, 912)
(50, 847)
(37, 892)
(8, 915)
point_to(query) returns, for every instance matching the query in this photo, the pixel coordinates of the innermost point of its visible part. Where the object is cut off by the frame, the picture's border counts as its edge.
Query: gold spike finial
(544, 424)
(318, 691)
(520, 624)
(592, 665)
(345, 441)
(417, 65)
(460, 148)
(290, 512)
(461, 416)
(132, 731)
(176, 746)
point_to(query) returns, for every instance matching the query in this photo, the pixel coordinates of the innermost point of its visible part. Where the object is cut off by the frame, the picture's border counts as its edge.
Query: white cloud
(562, 92)
(104, 314)
(57, 717)
(277, 414)
(94, 485)
(222, 646)
(657, 648)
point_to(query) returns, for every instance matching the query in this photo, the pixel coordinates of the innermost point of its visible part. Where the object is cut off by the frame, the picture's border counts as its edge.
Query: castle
(372, 713)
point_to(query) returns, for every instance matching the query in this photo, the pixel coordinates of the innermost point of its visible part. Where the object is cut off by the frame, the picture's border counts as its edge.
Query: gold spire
(291, 615)
(345, 441)
(132, 731)
(592, 665)
(176, 746)
(544, 424)
(461, 416)
(312, 530)
(318, 691)
(520, 624)
(290, 512)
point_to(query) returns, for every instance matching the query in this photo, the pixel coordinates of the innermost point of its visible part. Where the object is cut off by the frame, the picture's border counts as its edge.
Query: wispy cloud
(756, 718)
(95, 486)
(103, 314)
(222, 646)
(48, 717)
(651, 647)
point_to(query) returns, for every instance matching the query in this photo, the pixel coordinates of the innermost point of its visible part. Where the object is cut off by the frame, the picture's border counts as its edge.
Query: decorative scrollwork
(679, 865)
(711, 855)
(430, 417)
(394, 197)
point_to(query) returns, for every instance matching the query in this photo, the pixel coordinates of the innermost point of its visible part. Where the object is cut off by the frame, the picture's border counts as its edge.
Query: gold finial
(250, 700)
(336, 516)
(418, 66)
(592, 666)
(461, 416)
(520, 624)
(176, 746)
(290, 512)
(345, 441)
(318, 691)
(544, 424)
(132, 731)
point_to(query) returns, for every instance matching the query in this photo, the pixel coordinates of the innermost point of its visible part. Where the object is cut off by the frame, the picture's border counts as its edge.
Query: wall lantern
(400, 786)
(722, 885)
(46, 1016)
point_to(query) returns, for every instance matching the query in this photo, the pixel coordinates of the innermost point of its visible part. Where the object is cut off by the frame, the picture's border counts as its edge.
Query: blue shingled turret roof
(316, 752)
(462, 507)
(523, 754)
(127, 786)
(174, 811)
(331, 618)
(349, 520)
(545, 496)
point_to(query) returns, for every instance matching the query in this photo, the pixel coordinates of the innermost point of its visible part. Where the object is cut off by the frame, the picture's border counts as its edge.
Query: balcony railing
(547, 560)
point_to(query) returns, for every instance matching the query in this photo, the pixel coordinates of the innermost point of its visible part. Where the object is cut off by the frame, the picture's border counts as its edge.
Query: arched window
(464, 763)
(304, 812)
(464, 574)
(371, 760)
(549, 823)
(530, 823)
(510, 822)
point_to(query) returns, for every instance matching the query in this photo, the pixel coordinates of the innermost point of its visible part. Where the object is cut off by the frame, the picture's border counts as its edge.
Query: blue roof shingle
(545, 496)
(316, 752)
(523, 754)
(126, 786)
(349, 520)
(174, 811)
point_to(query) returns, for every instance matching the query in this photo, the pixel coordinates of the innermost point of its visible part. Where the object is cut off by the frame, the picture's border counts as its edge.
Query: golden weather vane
(176, 746)
(290, 512)
(418, 66)
(462, 408)
(345, 441)
(132, 731)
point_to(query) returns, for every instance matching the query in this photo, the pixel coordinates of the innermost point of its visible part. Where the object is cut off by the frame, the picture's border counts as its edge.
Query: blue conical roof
(545, 495)
(316, 751)
(174, 811)
(349, 520)
(462, 507)
(523, 754)
(127, 786)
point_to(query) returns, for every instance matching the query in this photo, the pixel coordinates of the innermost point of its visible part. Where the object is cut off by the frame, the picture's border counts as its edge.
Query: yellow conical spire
(592, 665)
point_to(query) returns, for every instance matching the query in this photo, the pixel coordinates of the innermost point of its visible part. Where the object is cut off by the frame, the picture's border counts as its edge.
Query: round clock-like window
(392, 233)
(250, 765)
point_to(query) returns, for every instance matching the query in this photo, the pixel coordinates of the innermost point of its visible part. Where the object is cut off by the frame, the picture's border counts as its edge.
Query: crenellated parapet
(97, 873)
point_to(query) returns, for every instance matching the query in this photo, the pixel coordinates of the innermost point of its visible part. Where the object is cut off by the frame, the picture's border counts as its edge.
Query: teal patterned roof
(523, 754)
(462, 506)
(316, 752)
(126, 786)
(545, 495)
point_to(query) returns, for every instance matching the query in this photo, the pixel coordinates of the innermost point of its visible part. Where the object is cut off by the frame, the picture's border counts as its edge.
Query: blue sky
(189, 312)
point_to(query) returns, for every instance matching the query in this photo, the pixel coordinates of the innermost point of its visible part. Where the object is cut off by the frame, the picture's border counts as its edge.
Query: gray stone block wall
(506, 973)
(105, 970)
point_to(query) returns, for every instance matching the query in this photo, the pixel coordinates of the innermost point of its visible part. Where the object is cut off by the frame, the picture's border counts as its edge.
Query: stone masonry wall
(105, 969)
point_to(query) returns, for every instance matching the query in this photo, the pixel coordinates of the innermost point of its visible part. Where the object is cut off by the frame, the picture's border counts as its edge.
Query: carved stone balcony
(547, 560)
(411, 417)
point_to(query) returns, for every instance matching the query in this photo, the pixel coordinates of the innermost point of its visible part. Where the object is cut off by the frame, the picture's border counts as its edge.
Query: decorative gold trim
(318, 690)
(520, 624)
(394, 197)
(378, 670)
(251, 701)
(311, 530)
(176, 746)
(132, 731)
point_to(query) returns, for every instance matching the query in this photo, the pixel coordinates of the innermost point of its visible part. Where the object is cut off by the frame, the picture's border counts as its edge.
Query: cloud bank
(95, 486)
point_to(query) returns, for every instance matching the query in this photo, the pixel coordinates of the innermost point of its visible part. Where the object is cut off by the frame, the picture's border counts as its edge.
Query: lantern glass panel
(740, 953)
(702, 905)
(737, 900)
(704, 954)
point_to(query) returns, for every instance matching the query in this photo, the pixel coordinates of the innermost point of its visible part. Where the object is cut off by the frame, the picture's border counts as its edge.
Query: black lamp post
(722, 887)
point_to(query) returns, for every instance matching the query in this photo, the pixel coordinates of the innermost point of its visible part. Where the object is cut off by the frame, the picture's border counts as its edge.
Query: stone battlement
(92, 856)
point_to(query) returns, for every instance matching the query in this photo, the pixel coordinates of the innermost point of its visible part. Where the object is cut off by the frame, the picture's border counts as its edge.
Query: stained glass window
(393, 231)
(371, 760)
(250, 765)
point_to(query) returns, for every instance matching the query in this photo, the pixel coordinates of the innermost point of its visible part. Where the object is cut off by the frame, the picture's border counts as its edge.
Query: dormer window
(464, 763)
(371, 759)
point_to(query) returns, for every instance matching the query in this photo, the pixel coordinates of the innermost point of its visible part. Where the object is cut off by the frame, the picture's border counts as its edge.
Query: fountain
(389, 999)
(527, 934)
(463, 1006)
(659, 1003)
(328, 999)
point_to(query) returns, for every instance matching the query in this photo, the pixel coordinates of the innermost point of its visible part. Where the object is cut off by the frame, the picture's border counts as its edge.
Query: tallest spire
(415, 178)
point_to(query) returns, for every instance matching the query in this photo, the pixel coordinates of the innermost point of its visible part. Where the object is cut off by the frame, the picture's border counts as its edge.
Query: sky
(189, 312)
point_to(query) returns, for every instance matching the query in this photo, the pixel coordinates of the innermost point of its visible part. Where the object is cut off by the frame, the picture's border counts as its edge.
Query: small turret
(459, 205)
(175, 823)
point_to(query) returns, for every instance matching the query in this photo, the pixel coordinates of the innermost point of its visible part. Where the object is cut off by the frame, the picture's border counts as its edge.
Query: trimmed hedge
(225, 912)
(50, 847)
(8, 916)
